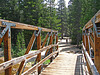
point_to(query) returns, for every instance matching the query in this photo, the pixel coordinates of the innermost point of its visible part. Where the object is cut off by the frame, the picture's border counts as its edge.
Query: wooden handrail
(38, 64)
(17, 60)
(25, 26)
(91, 40)
(6, 34)
(90, 62)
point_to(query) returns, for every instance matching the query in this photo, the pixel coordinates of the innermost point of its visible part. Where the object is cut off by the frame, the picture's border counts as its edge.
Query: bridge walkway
(68, 62)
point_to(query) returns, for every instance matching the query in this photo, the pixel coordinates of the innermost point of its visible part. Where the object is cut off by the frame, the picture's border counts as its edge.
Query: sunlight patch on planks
(64, 64)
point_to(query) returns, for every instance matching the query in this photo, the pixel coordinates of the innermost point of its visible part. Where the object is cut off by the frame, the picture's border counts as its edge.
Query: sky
(65, 1)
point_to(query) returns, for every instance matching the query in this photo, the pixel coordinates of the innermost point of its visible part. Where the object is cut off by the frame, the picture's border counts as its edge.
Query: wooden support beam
(7, 52)
(97, 52)
(49, 44)
(25, 26)
(92, 35)
(27, 51)
(90, 62)
(17, 60)
(87, 49)
(38, 64)
(43, 43)
(1, 40)
(45, 40)
(83, 39)
(51, 40)
(39, 55)
(57, 42)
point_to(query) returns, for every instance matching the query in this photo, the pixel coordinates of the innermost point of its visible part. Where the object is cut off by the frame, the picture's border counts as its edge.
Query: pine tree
(62, 16)
(74, 21)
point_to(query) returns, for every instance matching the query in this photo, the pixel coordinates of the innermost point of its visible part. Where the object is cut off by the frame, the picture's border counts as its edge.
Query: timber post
(57, 41)
(87, 48)
(39, 55)
(97, 52)
(6, 35)
(51, 40)
(7, 52)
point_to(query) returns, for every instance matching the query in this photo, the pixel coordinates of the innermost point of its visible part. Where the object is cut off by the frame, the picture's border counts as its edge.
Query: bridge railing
(9, 62)
(91, 44)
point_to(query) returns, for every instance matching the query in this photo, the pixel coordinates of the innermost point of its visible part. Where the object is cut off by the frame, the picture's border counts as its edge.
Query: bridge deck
(67, 63)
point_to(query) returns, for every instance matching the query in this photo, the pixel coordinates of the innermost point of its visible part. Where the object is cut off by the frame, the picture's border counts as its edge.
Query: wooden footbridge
(61, 62)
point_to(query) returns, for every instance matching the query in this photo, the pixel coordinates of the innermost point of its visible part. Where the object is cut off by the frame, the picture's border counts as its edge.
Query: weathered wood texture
(93, 39)
(39, 55)
(87, 49)
(27, 51)
(64, 64)
(25, 26)
(45, 40)
(97, 52)
(90, 62)
(38, 64)
(7, 52)
(43, 44)
(17, 60)
(51, 40)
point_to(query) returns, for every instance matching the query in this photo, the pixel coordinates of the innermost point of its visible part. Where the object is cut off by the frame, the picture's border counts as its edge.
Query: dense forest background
(69, 21)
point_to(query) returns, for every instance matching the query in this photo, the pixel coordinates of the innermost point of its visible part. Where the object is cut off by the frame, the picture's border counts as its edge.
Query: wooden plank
(25, 26)
(7, 52)
(27, 51)
(89, 24)
(39, 55)
(97, 52)
(38, 64)
(63, 64)
(17, 60)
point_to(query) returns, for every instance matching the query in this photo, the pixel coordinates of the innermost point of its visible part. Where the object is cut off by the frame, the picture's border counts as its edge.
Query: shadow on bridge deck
(79, 66)
(68, 62)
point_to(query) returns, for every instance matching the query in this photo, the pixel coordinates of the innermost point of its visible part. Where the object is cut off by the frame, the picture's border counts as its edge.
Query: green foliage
(79, 13)
(74, 21)
(62, 17)
(19, 49)
(47, 61)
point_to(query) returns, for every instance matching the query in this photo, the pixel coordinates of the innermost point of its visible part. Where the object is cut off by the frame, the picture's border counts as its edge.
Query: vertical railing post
(57, 41)
(97, 52)
(39, 55)
(51, 40)
(7, 52)
(83, 35)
